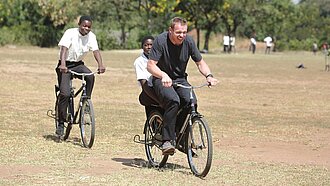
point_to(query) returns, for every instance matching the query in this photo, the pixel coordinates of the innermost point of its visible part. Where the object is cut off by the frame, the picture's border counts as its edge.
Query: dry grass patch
(269, 120)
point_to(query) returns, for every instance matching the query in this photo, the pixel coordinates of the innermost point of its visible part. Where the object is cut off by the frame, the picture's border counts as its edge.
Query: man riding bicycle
(167, 63)
(74, 45)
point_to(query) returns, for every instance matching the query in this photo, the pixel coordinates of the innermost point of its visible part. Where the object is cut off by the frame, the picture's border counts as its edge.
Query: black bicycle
(193, 138)
(83, 115)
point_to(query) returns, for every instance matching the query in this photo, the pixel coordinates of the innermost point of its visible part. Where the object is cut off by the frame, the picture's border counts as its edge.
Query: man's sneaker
(60, 129)
(168, 148)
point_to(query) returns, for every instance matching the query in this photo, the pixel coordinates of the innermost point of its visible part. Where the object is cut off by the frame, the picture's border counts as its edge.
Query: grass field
(269, 121)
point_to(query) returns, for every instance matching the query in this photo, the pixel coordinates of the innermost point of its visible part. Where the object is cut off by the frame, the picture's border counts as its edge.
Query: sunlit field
(269, 122)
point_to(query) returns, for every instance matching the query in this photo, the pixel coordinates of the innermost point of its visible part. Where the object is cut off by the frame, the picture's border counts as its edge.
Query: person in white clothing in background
(253, 44)
(232, 44)
(268, 40)
(226, 43)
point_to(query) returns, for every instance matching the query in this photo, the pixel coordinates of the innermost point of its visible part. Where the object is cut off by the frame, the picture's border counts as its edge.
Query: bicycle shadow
(55, 138)
(132, 162)
(141, 163)
(52, 137)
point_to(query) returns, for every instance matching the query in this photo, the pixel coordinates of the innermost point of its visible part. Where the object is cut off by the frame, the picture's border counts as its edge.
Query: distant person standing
(325, 48)
(268, 40)
(232, 44)
(314, 49)
(253, 44)
(226, 42)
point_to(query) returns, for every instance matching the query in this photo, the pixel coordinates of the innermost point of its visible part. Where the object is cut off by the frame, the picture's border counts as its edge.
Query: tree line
(120, 24)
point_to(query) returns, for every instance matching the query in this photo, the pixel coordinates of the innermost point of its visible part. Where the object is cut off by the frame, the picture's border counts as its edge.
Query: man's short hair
(84, 18)
(145, 39)
(176, 20)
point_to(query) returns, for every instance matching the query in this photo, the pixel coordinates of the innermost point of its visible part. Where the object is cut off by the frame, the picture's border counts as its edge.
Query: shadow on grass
(53, 137)
(141, 163)
(132, 162)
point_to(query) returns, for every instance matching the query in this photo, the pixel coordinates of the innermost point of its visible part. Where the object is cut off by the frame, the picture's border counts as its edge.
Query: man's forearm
(63, 55)
(98, 57)
(203, 68)
(154, 70)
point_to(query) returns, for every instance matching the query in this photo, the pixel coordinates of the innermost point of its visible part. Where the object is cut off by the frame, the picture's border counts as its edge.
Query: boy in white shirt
(74, 45)
(147, 96)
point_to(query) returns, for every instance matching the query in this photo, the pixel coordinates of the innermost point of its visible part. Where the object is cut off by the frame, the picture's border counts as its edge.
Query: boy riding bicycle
(74, 45)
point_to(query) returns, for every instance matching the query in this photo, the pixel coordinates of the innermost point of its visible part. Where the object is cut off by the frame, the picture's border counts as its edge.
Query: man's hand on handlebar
(63, 68)
(166, 80)
(212, 81)
(101, 70)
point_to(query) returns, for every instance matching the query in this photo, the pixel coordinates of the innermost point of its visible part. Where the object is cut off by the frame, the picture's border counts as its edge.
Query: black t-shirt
(171, 58)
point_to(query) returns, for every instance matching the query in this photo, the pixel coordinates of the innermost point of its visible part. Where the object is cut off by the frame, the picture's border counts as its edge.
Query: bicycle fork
(200, 136)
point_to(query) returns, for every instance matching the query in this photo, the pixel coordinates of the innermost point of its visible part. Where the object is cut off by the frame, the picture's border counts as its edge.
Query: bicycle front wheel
(87, 123)
(199, 146)
(153, 139)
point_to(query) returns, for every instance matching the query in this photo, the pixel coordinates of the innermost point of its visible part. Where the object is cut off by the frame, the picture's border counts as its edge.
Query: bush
(107, 39)
(295, 44)
(25, 34)
(6, 36)
(111, 39)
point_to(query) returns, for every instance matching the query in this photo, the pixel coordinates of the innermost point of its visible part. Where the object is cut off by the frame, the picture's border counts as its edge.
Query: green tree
(190, 9)
(233, 14)
(204, 15)
(211, 11)
(26, 23)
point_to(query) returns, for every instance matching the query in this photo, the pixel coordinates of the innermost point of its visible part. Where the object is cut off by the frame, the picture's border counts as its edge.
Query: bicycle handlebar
(82, 74)
(190, 87)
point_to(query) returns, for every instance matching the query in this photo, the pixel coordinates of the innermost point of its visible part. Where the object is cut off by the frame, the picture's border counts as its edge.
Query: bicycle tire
(56, 113)
(69, 116)
(199, 147)
(153, 140)
(87, 123)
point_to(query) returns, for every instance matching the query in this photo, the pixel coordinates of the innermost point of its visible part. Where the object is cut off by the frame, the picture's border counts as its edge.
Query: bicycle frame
(74, 94)
(188, 120)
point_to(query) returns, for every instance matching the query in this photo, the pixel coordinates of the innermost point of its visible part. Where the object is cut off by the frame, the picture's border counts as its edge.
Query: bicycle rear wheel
(199, 147)
(69, 119)
(56, 114)
(87, 123)
(153, 139)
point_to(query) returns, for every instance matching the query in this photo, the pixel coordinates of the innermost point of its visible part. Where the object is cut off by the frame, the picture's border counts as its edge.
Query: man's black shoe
(60, 129)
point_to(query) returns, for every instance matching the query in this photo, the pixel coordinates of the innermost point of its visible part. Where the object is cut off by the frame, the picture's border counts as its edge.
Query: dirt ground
(296, 153)
(292, 153)
(255, 133)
